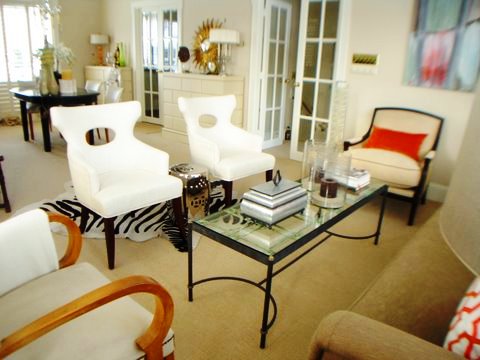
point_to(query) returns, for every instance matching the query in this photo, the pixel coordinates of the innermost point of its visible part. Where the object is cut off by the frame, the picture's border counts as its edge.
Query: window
(23, 32)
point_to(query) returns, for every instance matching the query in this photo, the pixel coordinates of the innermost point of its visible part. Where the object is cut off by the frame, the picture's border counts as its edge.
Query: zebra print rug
(139, 225)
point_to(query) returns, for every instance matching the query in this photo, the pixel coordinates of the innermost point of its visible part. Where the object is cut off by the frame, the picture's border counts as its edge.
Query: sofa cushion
(399, 141)
(392, 167)
(108, 332)
(464, 333)
(427, 268)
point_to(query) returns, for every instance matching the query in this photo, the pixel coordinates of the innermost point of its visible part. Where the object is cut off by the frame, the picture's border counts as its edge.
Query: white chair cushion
(108, 332)
(23, 256)
(391, 167)
(124, 190)
(236, 165)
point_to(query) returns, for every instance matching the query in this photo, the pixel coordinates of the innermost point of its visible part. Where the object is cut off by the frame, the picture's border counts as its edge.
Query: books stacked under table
(270, 203)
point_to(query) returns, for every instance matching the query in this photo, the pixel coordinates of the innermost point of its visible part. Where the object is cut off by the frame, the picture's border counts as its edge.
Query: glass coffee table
(298, 233)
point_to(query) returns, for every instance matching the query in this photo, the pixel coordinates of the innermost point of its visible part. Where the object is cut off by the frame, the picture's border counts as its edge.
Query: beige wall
(382, 27)
(377, 26)
(78, 20)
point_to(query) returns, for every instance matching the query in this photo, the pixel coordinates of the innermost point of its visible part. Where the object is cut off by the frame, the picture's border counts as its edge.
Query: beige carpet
(224, 320)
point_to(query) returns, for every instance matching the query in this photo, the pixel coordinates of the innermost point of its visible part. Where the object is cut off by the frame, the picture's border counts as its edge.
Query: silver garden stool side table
(196, 189)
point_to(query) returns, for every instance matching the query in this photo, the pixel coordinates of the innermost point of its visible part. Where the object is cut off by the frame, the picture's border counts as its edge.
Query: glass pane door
(160, 38)
(274, 68)
(318, 40)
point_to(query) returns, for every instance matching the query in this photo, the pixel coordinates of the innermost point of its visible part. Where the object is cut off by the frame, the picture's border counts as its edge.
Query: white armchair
(229, 153)
(398, 148)
(118, 177)
(56, 309)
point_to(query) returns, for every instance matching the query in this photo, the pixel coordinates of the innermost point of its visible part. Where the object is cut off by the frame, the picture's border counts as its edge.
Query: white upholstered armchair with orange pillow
(51, 309)
(398, 148)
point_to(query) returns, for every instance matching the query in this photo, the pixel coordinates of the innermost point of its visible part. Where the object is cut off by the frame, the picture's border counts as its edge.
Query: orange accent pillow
(405, 143)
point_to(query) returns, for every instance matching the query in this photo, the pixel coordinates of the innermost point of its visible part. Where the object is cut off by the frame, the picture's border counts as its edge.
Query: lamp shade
(98, 39)
(224, 36)
(460, 214)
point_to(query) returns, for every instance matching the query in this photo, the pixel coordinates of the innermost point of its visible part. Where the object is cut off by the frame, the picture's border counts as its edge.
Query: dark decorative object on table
(183, 54)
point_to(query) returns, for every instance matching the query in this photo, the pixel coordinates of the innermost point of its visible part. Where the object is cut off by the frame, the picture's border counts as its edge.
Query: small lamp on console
(225, 39)
(99, 40)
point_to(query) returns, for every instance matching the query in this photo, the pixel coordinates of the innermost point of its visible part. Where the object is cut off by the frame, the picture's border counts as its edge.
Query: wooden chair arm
(74, 239)
(150, 342)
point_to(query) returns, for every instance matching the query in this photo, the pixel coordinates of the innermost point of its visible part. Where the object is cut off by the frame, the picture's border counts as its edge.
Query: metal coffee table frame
(270, 258)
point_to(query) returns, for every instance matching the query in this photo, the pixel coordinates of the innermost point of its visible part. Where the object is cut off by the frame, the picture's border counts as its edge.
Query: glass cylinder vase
(332, 191)
(313, 155)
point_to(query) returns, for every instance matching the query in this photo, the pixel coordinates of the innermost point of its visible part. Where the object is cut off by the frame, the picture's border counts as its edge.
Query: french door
(157, 38)
(320, 63)
(271, 20)
(274, 71)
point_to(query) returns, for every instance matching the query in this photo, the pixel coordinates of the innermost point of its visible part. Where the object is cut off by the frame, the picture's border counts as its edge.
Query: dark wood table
(81, 97)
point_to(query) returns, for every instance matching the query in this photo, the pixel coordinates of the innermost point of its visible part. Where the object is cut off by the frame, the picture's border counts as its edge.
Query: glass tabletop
(231, 223)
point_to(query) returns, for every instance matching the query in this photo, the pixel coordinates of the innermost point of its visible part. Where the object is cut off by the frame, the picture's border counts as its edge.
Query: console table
(270, 245)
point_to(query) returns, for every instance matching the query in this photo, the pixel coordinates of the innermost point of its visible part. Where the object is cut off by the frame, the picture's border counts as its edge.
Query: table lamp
(460, 214)
(99, 40)
(225, 39)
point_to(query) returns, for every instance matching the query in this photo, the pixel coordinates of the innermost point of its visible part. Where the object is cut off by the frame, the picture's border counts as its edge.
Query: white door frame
(137, 59)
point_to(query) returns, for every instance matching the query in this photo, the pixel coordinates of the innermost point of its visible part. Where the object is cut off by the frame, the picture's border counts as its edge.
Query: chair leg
(83, 219)
(110, 241)
(180, 216)
(6, 202)
(269, 175)
(228, 188)
(30, 126)
(413, 211)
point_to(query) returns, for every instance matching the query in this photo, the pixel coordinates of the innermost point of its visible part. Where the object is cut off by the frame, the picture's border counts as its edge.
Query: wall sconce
(99, 41)
(225, 39)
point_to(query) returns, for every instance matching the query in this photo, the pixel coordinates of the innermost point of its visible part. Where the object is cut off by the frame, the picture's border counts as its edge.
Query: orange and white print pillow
(463, 336)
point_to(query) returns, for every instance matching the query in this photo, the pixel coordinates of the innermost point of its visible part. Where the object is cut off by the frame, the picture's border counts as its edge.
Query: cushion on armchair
(463, 336)
(398, 141)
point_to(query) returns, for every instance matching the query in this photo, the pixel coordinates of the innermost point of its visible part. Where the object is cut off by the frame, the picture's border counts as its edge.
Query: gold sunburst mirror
(205, 53)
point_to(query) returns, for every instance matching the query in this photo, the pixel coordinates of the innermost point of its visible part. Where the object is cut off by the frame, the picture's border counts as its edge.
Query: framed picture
(444, 45)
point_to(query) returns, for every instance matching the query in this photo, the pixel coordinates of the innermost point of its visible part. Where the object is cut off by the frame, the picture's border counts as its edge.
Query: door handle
(292, 82)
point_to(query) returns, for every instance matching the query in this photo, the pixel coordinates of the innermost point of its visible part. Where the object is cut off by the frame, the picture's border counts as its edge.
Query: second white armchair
(228, 152)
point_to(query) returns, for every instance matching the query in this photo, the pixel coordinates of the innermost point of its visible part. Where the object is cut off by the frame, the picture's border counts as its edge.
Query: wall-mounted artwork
(444, 46)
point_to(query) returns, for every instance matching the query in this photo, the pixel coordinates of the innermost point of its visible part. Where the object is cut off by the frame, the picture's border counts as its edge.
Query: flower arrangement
(64, 55)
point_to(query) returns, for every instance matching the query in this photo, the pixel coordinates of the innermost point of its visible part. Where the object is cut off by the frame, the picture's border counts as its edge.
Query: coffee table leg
(380, 217)
(266, 305)
(190, 263)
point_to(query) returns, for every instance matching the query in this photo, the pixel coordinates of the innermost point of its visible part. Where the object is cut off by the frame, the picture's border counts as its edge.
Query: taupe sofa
(406, 311)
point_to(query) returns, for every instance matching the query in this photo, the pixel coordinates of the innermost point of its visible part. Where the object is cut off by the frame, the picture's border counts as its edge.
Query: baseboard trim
(437, 192)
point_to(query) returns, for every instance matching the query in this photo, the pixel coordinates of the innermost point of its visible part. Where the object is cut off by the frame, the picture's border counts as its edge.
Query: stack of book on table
(358, 179)
(272, 203)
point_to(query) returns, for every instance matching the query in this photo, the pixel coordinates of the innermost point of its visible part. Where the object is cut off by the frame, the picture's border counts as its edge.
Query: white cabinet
(192, 85)
(102, 73)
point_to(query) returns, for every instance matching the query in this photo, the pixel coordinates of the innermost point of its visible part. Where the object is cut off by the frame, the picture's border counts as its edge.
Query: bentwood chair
(53, 309)
(118, 177)
(228, 152)
(398, 148)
